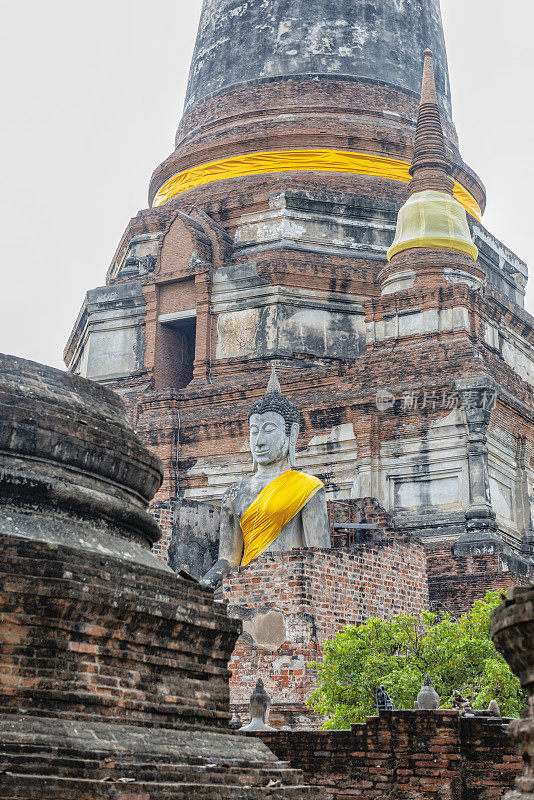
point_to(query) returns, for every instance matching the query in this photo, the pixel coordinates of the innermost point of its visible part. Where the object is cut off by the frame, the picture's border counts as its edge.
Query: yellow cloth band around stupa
(433, 219)
(274, 507)
(299, 161)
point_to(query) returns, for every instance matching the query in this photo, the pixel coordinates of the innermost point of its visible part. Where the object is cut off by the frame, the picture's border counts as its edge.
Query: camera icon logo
(385, 401)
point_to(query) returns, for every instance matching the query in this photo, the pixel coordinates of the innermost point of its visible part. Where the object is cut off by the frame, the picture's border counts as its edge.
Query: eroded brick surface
(406, 754)
(315, 593)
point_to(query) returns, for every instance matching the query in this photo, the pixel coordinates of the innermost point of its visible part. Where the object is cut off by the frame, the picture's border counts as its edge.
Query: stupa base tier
(88, 635)
(72, 760)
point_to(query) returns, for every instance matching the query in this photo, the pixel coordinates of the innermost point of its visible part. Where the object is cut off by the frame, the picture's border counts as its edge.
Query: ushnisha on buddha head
(274, 424)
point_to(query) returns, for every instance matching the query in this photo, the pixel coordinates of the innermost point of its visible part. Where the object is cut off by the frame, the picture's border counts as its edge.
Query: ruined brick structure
(292, 603)
(410, 755)
(113, 670)
(266, 242)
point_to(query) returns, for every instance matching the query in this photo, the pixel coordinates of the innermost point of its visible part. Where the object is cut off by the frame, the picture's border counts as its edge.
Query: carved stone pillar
(478, 400)
(150, 293)
(512, 630)
(203, 346)
(478, 397)
(363, 482)
(524, 512)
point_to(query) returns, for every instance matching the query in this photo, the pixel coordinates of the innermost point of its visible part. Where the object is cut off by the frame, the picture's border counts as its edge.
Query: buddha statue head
(274, 424)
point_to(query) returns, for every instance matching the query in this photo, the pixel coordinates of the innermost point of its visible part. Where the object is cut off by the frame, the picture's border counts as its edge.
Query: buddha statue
(276, 508)
(260, 704)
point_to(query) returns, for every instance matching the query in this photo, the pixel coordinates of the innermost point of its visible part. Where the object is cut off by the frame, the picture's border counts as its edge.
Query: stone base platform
(292, 603)
(113, 670)
(121, 677)
(67, 760)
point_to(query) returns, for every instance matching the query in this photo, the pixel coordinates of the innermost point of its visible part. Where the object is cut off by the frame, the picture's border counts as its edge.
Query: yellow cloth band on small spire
(298, 161)
(274, 507)
(433, 219)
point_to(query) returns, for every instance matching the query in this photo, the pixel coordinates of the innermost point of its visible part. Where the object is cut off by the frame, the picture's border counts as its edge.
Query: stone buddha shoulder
(276, 508)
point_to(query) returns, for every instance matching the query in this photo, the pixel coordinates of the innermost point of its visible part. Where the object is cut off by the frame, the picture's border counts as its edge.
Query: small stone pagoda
(113, 670)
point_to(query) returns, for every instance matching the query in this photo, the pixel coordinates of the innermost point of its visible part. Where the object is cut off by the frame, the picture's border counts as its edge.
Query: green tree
(400, 652)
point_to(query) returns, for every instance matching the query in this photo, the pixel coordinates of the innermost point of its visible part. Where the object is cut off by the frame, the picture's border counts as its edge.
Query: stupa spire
(432, 217)
(428, 91)
(430, 166)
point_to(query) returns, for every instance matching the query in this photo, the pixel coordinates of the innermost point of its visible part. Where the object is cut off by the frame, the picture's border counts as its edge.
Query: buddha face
(269, 441)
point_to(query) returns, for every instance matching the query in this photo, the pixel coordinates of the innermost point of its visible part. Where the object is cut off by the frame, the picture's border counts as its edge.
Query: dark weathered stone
(383, 700)
(113, 678)
(195, 537)
(248, 42)
(512, 630)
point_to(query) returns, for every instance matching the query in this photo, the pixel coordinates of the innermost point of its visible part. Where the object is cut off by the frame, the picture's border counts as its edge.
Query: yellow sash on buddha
(274, 507)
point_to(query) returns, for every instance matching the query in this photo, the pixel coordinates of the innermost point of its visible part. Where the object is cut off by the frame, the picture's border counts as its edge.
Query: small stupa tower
(431, 219)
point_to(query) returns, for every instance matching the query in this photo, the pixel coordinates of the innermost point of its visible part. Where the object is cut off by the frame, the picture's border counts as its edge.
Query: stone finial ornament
(260, 704)
(432, 217)
(427, 699)
(494, 710)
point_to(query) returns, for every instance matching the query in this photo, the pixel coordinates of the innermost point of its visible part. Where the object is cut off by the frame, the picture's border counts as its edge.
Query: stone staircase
(128, 763)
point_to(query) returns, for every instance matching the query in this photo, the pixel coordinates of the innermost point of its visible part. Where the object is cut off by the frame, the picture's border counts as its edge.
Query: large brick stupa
(267, 241)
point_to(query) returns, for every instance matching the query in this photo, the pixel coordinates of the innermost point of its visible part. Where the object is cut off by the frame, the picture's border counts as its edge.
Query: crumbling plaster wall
(110, 340)
(418, 475)
(257, 319)
(319, 222)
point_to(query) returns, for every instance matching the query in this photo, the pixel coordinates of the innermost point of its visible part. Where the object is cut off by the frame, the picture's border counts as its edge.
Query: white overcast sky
(91, 96)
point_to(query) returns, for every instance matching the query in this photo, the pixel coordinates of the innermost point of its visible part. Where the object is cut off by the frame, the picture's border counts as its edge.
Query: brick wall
(434, 755)
(212, 130)
(163, 513)
(456, 582)
(315, 593)
(96, 637)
